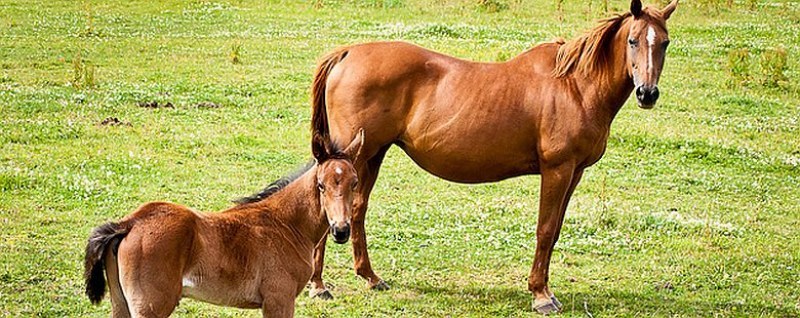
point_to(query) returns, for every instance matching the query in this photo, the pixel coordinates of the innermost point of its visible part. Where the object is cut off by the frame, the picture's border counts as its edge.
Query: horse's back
(448, 114)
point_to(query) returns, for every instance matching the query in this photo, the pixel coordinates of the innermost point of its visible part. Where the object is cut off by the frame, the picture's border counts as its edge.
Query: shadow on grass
(493, 300)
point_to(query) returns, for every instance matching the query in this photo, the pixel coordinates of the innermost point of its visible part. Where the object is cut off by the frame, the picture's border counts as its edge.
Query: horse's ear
(636, 8)
(354, 149)
(667, 11)
(318, 148)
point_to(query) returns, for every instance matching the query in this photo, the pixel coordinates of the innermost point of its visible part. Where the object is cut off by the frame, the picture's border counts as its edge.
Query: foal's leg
(278, 306)
(368, 173)
(150, 268)
(555, 184)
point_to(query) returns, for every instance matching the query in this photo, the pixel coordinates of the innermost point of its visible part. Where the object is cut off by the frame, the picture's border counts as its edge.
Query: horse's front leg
(556, 188)
(368, 173)
(317, 287)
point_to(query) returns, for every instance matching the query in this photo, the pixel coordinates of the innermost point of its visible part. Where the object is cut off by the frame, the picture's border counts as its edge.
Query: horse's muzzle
(647, 95)
(341, 234)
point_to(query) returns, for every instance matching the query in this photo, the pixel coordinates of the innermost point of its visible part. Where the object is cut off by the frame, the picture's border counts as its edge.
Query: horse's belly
(473, 164)
(244, 295)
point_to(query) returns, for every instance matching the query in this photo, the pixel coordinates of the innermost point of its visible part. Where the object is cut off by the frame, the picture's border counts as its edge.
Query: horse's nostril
(641, 92)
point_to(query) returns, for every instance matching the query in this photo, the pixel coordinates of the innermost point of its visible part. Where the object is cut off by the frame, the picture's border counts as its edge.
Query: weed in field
(384, 3)
(773, 67)
(492, 5)
(88, 29)
(82, 72)
(236, 52)
(739, 67)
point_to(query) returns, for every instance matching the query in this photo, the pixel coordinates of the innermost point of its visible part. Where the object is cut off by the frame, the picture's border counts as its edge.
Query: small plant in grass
(738, 67)
(317, 4)
(385, 3)
(560, 10)
(492, 5)
(82, 72)
(752, 4)
(88, 29)
(235, 54)
(773, 67)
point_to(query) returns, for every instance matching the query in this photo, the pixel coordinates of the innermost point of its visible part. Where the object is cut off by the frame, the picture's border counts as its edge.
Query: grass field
(694, 211)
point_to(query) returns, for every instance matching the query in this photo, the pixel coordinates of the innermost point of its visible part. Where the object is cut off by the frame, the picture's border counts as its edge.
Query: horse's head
(647, 46)
(336, 182)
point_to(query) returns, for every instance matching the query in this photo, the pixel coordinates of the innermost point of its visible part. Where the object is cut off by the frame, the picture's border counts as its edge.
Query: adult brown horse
(548, 111)
(255, 255)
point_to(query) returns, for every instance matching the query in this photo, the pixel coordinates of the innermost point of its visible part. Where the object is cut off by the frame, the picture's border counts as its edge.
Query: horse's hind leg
(119, 306)
(368, 173)
(150, 280)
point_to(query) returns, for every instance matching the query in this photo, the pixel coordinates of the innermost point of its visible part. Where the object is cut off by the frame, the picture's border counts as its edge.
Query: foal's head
(336, 182)
(647, 45)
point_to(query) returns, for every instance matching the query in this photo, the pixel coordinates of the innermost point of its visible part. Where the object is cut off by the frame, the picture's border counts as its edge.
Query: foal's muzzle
(340, 233)
(647, 95)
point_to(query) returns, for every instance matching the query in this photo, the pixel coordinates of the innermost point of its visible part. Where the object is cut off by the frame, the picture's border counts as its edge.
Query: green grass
(694, 211)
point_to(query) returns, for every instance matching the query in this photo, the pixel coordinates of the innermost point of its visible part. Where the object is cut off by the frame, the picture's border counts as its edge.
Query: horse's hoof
(323, 294)
(380, 286)
(556, 302)
(546, 307)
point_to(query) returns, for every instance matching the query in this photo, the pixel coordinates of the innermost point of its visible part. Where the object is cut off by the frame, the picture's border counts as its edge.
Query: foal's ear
(667, 11)
(354, 149)
(318, 148)
(636, 8)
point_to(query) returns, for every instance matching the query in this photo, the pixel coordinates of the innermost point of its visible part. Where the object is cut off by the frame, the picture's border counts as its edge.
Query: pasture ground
(694, 211)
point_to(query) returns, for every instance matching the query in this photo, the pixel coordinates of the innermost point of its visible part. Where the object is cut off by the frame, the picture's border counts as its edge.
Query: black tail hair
(103, 237)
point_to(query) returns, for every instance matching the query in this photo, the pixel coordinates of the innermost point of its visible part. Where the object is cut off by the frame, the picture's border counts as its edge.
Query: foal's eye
(665, 44)
(355, 184)
(320, 187)
(633, 42)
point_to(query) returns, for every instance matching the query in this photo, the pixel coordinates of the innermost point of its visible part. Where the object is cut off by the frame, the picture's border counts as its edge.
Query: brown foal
(547, 111)
(254, 255)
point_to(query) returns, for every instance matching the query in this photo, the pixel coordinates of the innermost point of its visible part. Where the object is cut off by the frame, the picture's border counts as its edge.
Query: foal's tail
(103, 237)
(319, 115)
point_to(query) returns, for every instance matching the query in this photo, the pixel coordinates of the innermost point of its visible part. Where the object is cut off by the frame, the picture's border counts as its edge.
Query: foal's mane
(334, 152)
(589, 53)
(276, 185)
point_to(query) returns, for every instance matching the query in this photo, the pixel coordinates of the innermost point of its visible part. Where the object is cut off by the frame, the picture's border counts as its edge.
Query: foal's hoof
(380, 286)
(323, 294)
(556, 302)
(547, 307)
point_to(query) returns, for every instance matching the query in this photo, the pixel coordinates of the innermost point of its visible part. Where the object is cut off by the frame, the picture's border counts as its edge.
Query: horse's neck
(603, 94)
(297, 206)
(609, 95)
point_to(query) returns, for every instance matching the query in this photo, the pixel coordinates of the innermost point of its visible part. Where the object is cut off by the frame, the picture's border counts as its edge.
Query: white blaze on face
(651, 41)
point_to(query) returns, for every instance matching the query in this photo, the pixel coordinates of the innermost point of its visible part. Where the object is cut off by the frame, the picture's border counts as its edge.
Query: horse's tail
(319, 115)
(103, 237)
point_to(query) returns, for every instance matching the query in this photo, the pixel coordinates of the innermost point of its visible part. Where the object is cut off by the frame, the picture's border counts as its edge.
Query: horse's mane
(276, 185)
(334, 152)
(588, 53)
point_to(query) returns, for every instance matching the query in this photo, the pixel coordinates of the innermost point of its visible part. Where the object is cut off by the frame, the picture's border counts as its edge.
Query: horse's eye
(665, 44)
(633, 42)
(355, 184)
(320, 187)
